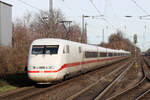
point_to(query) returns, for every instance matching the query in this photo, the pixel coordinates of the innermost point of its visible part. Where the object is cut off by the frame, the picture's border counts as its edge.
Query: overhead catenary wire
(107, 21)
(137, 5)
(29, 5)
(33, 7)
(91, 1)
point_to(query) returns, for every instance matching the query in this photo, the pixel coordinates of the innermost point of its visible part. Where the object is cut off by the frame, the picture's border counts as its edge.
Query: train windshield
(45, 49)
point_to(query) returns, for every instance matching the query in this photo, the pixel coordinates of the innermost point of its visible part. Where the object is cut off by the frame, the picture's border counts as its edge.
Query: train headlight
(31, 67)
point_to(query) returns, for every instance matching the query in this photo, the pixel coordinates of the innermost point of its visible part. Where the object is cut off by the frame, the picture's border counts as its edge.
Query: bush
(13, 60)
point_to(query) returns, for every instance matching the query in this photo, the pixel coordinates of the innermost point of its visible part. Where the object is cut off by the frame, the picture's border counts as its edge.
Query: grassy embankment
(14, 81)
(5, 86)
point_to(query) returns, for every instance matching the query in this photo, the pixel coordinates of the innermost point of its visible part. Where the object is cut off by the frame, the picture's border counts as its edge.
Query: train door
(65, 57)
(78, 58)
(73, 59)
(81, 56)
(84, 65)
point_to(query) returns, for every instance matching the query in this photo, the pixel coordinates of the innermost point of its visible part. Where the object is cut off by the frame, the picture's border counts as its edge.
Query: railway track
(147, 62)
(99, 89)
(37, 92)
(13, 94)
(138, 91)
(26, 93)
(145, 95)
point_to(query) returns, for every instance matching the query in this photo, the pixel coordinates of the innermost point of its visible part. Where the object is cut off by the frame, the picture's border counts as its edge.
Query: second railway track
(139, 90)
(98, 89)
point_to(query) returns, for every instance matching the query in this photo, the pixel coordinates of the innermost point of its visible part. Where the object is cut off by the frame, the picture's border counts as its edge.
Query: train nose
(41, 77)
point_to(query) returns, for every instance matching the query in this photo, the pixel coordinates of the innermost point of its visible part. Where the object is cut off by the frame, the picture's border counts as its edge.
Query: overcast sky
(113, 10)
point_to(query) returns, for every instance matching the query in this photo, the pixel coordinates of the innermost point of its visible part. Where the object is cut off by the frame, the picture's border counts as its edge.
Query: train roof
(48, 41)
(56, 41)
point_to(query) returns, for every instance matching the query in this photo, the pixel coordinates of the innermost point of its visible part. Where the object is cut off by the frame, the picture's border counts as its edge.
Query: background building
(5, 24)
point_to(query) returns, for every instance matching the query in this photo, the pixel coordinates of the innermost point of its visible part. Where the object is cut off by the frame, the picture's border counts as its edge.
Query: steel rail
(101, 95)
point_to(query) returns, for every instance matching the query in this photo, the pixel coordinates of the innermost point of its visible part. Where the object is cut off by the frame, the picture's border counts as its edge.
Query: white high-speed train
(55, 59)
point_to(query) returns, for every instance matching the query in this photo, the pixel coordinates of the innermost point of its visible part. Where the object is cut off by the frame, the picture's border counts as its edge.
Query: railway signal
(135, 41)
(135, 38)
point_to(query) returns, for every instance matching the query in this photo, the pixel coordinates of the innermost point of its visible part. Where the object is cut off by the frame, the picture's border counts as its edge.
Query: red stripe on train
(33, 71)
(74, 64)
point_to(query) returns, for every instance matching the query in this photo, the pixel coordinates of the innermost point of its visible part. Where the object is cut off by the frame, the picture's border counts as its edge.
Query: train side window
(80, 50)
(119, 54)
(103, 54)
(91, 54)
(115, 54)
(110, 54)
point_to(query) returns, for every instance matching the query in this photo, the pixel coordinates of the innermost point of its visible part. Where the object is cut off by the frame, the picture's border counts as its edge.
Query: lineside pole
(51, 18)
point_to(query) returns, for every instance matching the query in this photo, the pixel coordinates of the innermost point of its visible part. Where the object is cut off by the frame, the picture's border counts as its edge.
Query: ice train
(52, 59)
